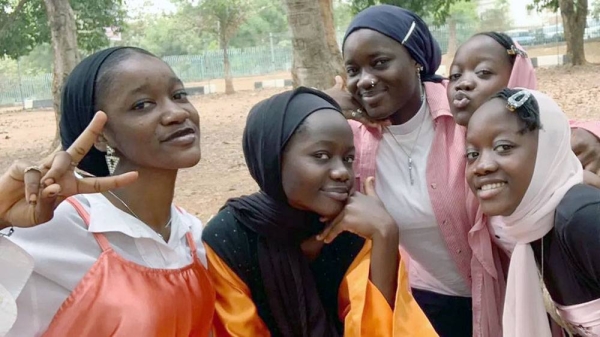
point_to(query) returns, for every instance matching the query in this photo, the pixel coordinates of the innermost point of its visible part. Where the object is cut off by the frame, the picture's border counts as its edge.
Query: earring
(111, 159)
(419, 69)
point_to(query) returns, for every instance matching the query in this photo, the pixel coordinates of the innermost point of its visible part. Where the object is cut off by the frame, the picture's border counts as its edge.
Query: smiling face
(151, 123)
(481, 67)
(500, 158)
(317, 162)
(373, 58)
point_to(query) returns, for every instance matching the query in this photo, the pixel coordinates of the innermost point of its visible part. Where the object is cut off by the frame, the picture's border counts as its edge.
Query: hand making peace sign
(30, 192)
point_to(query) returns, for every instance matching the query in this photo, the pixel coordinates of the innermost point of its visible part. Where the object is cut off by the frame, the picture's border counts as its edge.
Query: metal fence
(261, 60)
(16, 90)
(190, 68)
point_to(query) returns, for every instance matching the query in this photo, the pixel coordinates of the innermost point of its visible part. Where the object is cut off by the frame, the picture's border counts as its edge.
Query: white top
(64, 250)
(431, 266)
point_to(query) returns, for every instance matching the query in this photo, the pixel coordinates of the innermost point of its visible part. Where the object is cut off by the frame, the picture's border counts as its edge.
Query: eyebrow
(371, 56)
(330, 143)
(173, 81)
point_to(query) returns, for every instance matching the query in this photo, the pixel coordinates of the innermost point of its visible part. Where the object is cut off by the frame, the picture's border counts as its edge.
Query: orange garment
(120, 298)
(362, 307)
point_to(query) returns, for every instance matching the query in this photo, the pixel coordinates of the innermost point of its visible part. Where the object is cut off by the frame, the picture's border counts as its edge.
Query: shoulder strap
(101, 239)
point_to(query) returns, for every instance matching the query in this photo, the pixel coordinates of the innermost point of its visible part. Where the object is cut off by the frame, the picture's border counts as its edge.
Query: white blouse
(431, 266)
(63, 250)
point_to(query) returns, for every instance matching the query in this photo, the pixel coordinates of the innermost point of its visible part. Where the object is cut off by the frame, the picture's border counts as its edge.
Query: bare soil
(222, 173)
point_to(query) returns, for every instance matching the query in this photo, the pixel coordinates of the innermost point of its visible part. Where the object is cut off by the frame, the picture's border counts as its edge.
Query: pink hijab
(523, 73)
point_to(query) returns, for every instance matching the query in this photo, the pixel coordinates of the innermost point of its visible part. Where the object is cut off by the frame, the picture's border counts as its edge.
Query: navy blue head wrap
(408, 29)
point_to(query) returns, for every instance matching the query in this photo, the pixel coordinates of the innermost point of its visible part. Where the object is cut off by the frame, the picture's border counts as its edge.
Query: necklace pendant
(410, 171)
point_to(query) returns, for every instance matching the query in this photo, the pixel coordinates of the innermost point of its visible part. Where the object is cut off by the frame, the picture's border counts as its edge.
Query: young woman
(489, 62)
(418, 163)
(126, 261)
(521, 170)
(278, 270)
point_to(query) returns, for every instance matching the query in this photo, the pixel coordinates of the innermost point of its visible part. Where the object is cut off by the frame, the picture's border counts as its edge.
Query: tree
(21, 31)
(63, 29)
(166, 35)
(222, 18)
(437, 10)
(596, 9)
(267, 21)
(497, 18)
(317, 56)
(465, 14)
(574, 14)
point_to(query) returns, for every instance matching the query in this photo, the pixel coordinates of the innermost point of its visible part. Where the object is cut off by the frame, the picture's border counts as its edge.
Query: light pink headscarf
(523, 73)
(557, 169)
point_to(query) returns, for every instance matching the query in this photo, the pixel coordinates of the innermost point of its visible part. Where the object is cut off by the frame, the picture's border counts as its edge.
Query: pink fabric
(523, 73)
(456, 209)
(583, 318)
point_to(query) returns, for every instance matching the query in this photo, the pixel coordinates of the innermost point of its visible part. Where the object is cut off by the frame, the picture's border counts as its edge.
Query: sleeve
(581, 235)
(20, 265)
(365, 311)
(592, 127)
(235, 312)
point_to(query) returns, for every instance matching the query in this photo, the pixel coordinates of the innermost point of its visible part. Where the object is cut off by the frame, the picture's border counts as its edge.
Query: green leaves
(436, 10)
(29, 26)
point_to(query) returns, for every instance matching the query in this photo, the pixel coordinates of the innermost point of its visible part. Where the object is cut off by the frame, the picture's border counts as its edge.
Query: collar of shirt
(105, 217)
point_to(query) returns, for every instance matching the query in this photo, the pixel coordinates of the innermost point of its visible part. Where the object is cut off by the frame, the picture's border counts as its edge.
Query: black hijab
(397, 23)
(79, 104)
(288, 281)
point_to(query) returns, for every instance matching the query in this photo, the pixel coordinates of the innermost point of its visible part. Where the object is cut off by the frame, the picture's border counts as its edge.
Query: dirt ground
(222, 174)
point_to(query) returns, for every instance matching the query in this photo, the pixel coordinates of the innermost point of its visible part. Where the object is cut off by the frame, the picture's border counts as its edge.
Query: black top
(237, 246)
(572, 248)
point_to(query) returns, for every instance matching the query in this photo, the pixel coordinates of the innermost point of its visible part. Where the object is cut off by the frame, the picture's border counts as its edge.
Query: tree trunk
(226, 65)
(64, 45)
(574, 20)
(331, 36)
(452, 39)
(317, 57)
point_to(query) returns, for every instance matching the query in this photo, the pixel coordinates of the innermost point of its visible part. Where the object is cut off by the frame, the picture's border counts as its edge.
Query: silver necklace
(137, 217)
(409, 154)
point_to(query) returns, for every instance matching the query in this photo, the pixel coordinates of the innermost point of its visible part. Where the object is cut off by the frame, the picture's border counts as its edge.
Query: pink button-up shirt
(454, 206)
(463, 225)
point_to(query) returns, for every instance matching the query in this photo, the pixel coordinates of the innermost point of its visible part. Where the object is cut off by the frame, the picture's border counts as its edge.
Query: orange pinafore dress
(120, 298)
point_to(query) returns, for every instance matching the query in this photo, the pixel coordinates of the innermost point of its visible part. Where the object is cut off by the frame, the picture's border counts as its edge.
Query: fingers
(96, 185)
(369, 187)
(339, 82)
(593, 166)
(333, 233)
(331, 225)
(31, 178)
(44, 209)
(60, 164)
(88, 137)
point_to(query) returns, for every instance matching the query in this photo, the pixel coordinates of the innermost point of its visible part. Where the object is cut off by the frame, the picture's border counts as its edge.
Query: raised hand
(30, 192)
(350, 107)
(364, 215)
(587, 148)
